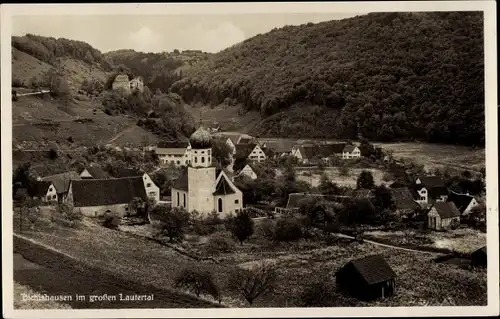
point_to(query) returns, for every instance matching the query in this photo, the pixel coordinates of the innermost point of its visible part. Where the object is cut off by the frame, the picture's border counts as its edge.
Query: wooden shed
(367, 278)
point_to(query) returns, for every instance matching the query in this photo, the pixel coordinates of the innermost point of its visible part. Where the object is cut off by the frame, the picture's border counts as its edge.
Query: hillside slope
(386, 76)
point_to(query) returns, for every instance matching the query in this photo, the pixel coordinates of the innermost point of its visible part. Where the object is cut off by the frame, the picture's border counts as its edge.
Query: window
(220, 205)
(178, 162)
(236, 201)
(148, 185)
(202, 152)
(48, 197)
(184, 199)
(152, 194)
(203, 159)
(54, 196)
(178, 200)
(196, 159)
(208, 152)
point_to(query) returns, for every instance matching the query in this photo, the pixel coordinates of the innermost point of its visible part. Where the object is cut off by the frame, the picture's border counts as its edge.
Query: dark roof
(432, 181)
(403, 198)
(308, 151)
(97, 172)
(281, 146)
(245, 140)
(462, 201)
(127, 172)
(432, 192)
(244, 150)
(63, 180)
(39, 188)
(223, 187)
(480, 251)
(182, 183)
(446, 209)
(349, 148)
(100, 192)
(337, 147)
(226, 171)
(373, 269)
(326, 150)
(175, 144)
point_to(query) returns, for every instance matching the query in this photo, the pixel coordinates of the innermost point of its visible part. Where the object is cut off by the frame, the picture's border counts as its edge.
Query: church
(202, 187)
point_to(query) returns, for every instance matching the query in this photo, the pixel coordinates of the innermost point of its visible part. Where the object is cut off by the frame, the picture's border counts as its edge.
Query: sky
(210, 33)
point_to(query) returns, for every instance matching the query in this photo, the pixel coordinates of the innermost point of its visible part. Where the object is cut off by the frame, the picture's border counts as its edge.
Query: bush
(197, 281)
(112, 222)
(318, 294)
(253, 283)
(343, 171)
(53, 154)
(241, 226)
(219, 244)
(288, 229)
(267, 229)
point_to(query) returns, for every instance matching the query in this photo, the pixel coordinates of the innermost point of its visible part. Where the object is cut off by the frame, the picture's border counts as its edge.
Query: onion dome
(201, 138)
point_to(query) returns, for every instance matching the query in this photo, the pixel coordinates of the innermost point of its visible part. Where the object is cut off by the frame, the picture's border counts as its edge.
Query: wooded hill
(386, 76)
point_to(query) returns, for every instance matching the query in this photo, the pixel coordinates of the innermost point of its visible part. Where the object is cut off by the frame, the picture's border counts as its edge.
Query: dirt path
(128, 129)
(33, 93)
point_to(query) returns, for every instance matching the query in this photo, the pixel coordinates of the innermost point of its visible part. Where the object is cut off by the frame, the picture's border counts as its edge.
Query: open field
(464, 240)
(420, 281)
(228, 117)
(309, 176)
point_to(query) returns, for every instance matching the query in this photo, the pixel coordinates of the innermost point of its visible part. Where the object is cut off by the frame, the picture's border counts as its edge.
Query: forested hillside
(386, 76)
(159, 70)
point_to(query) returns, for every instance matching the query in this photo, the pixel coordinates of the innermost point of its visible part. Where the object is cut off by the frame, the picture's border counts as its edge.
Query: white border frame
(489, 9)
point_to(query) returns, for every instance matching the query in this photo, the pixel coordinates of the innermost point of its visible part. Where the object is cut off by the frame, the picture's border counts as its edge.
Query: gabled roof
(373, 269)
(244, 150)
(121, 78)
(61, 181)
(245, 140)
(446, 209)
(433, 192)
(281, 146)
(349, 148)
(39, 189)
(403, 198)
(173, 144)
(432, 181)
(480, 251)
(101, 192)
(223, 187)
(308, 151)
(337, 148)
(182, 183)
(462, 201)
(225, 170)
(97, 172)
(327, 150)
(127, 172)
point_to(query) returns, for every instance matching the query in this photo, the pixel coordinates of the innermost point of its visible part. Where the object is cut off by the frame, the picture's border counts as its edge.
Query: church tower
(201, 173)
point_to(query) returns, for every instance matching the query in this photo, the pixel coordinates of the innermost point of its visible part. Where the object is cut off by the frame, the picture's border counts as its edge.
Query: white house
(152, 190)
(428, 190)
(61, 182)
(248, 171)
(45, 191)
(351, 151)
(251, 151)
(200, 188)
(176, 153)
(464, 202)
(443, 215)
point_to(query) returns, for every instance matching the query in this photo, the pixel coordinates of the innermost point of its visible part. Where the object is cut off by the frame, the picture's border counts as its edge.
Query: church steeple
(201, 148)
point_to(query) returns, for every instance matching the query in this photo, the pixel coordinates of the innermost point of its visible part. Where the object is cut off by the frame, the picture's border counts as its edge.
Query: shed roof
(462, 201)
(446, 209)
(100, 192)
(373, 269)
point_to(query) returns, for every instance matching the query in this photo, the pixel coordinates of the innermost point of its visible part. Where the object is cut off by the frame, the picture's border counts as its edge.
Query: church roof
(223, 187)
(201, 138)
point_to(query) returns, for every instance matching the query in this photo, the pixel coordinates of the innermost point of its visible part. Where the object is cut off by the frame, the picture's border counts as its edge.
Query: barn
(367, 278)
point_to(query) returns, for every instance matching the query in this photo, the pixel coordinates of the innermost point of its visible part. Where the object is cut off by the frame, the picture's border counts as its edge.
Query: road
(33, 93)
(51, 276)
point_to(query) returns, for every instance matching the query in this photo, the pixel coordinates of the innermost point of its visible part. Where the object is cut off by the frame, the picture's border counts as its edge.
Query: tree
(365, 180)
(52, 154)
(221, 152)
(344, 171)
(22, 178)
(241, 226)
(57, 84)
(382, 198)
(136, 205)
(172, 221)
(326, 186)
(30, 212)
(288, 229)
(68, 214)
(254, 282)
(199, 282)
(317, 294)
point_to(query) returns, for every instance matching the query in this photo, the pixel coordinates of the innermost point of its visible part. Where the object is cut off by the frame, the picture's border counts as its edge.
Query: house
(443, 215)
(251, 151)
(429, 189)
(200, 187)
(136, 84)
(43, 190)
(479, 257)
(152, 190)
(351, 151)
(98, 197)
(61, 182)
(279, 148)
(176, 153)
(367, 278)
(305, 153)
(248, 171)
(121, 82)
(403, 201)
(464, 202)
(93, 172)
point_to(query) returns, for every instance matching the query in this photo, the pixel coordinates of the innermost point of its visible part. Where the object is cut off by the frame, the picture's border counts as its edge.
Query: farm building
(428, 190)
(464, 202)
(443, 215)
(97, 197)
(251, 152)
(176, 153)
(93, 172)
(121, 82)
(351, 151)
(279, 148)
(43, 190)
(248, 171)
(305, 153)
(479, 257)
(367, 278)
(200, 187)
(136, 84)
(403, 201)
(61, 182)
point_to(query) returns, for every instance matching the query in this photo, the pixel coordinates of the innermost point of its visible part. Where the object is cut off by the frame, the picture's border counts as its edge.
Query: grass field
(420, 281)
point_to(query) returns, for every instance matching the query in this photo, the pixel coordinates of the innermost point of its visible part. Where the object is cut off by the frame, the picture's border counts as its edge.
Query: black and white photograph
(249, 159)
